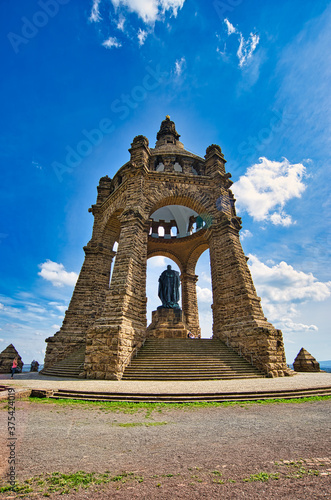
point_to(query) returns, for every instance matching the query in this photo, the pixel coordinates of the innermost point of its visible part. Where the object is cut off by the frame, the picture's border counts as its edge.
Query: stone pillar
(85, 305)
(238, 318)
(122, 325)
(190, 301)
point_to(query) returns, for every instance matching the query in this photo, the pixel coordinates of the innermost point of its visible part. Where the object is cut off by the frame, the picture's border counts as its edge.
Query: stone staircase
(216, 397)
(70, 366)
(188, 359)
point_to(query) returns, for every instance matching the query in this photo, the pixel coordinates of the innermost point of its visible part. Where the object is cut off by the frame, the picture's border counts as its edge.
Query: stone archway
(111, 320)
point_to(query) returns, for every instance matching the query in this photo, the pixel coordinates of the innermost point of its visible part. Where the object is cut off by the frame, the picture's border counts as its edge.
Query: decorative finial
(167, 128)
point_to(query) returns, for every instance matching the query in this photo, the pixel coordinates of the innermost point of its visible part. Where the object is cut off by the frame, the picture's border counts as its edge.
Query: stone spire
(167, 133)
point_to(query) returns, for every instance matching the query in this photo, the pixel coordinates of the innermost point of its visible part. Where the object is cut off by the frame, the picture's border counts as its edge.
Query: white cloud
(245, 233)
(142, 35)
(56, 274)
(56, 327)
(246, 48)
(205, 277)
(150, 10)
(157, 261)
(2, 340)
(95, 13)
(120, 23)
(283, 289)
(282, 283)
(266, 187)
(60, 307)
(111, 42)
(179, 66)
(231, 29)
(204, 294)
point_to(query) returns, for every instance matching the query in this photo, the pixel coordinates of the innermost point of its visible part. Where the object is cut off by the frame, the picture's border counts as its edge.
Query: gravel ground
(179, 453)
(298, 381)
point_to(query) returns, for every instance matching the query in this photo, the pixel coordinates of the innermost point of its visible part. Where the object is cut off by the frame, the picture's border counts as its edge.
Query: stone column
(122, 325)
(190, 301)
(234, 296)
(85, 305)
(238, 318)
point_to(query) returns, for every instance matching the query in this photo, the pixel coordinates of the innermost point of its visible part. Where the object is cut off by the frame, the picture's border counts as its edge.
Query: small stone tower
(163, 201)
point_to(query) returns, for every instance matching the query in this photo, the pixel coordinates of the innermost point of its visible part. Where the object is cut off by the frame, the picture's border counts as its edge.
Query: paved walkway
(298, 381)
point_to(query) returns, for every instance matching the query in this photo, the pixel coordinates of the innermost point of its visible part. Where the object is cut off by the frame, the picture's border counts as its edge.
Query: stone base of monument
(168, 324)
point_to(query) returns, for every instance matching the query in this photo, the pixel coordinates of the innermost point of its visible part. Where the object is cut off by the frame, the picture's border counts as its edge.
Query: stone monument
(164, 201)
(7, 357)
(169, 289)
(168, 321)
(305, 362)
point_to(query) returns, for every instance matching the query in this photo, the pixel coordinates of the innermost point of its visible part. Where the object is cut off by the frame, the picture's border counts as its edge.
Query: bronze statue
(169, 288)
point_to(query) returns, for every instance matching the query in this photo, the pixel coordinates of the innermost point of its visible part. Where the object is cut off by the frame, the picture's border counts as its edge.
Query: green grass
(261, 476)
(59, 483)
(131, 408)
(140, 424)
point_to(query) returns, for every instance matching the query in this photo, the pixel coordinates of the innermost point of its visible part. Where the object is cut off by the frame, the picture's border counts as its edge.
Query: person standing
(14, 367)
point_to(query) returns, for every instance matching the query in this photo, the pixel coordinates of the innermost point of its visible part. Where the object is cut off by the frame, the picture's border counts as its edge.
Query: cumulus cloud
(179, 66)
(245, 233)
(266, 187)
(150, 10)
(111, 42)
(95, 13)
(283, 288)
(142, 35)
(205, 277)
(157, 261)
(204, 294)
(56, 274)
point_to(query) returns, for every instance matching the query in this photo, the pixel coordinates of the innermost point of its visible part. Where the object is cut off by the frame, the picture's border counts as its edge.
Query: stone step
(190, 397)
(71, 366)
(187, 359)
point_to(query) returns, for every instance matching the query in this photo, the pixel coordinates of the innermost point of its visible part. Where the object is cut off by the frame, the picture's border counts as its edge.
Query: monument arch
(169, 187)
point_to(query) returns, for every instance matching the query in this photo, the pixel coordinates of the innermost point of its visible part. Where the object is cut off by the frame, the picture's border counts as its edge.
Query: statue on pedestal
(169, 289)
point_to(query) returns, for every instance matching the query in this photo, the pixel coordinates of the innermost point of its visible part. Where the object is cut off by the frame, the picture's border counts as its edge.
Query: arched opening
(115, 247)
(204, 295)
(175, 221)
(159, 167)
(155, 266)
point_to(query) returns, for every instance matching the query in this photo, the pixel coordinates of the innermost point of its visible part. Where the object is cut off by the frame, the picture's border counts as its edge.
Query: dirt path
(196, 453)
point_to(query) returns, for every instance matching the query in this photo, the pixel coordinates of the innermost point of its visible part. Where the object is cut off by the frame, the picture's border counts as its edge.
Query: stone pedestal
(168, 324)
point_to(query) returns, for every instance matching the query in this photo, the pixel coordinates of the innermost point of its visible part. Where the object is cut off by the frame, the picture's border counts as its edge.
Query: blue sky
(81, 78)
